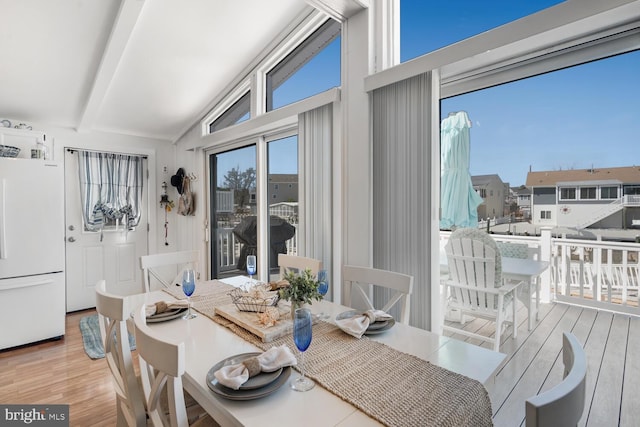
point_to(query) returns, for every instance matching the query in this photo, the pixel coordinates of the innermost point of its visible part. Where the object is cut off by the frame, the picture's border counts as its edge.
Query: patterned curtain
(110, 188)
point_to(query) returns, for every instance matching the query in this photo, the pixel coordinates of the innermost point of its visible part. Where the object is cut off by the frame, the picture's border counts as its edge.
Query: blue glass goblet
(323, 288)
(188, 287)
(302, 338)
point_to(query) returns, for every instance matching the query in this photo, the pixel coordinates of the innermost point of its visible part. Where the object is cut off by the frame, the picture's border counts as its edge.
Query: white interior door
(88, 260)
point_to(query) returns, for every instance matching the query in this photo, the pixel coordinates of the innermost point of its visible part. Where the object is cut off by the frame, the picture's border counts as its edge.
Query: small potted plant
(302, 289)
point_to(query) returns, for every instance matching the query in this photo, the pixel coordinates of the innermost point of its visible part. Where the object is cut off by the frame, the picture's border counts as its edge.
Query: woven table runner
(395, 388)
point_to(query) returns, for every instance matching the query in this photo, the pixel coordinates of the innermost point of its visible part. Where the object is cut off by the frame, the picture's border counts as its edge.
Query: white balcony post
(545, 255)
(597, 264)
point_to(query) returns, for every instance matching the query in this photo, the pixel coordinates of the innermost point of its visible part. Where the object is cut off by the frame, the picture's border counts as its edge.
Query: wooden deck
(534, 363)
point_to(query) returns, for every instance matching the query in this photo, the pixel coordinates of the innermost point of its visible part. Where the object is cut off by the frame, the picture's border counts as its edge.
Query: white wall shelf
(26, 139)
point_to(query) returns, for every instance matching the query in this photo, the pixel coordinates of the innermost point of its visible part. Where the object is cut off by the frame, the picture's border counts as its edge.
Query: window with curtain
(110, 189)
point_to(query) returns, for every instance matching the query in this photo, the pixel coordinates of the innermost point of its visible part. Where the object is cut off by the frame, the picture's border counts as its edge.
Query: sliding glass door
(251, 192)
(233, 223)
(282, 198)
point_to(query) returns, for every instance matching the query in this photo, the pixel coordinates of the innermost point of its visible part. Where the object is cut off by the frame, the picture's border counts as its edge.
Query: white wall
(191, 229)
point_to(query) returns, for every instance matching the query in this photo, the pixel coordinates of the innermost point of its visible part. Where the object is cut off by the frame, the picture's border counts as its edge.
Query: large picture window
(559, 128)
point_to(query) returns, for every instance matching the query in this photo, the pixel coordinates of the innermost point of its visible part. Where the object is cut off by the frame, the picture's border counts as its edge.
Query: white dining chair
(364, 281)
(562, 405)
(167, 267)
(475, 285)
(162, 364)
(293, 263)
(115, 339)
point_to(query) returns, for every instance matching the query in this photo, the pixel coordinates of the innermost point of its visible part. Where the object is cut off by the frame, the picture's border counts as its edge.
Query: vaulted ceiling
(139, 67)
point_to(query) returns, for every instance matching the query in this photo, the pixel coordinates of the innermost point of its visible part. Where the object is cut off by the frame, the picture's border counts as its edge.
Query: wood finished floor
(534, 363)
(59, 372)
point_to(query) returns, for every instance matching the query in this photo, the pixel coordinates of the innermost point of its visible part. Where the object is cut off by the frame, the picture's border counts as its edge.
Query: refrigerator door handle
(27, 284)
(3, 225)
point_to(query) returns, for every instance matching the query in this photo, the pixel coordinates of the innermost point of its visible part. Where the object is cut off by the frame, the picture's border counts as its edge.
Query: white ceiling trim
(340, 10)
(125, 22)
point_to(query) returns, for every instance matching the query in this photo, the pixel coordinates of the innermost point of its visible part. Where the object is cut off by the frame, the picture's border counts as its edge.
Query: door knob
(71, 228)
(71, 239)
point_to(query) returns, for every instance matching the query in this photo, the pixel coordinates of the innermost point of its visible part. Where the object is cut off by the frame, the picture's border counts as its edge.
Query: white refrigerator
(32, 251)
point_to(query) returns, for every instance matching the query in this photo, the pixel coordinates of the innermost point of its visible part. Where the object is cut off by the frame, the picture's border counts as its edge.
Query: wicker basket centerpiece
(255, 299)
(9, 151)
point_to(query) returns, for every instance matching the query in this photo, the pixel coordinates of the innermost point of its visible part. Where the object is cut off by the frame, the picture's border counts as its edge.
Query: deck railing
(594, 273)
(597, 274)
(230, 247)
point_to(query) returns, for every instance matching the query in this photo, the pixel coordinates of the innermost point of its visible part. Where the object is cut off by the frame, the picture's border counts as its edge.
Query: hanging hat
(176, 180)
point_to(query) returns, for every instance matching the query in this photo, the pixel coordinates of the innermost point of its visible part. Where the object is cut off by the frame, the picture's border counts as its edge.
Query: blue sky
(574, 118)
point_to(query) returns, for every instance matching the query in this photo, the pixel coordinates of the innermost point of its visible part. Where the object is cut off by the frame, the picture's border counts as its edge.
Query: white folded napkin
(162, 306)
(358, 324)
(233, 376)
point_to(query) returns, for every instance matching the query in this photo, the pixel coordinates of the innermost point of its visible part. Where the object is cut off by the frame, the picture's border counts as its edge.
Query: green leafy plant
(302, 287)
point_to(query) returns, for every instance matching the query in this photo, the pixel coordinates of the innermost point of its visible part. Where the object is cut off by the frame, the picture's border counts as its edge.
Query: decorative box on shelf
(26, 140)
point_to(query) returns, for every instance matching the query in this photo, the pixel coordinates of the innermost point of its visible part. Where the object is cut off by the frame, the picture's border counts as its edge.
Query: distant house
(281, 188)
(523, 199)
(598, 198)
(493, 192)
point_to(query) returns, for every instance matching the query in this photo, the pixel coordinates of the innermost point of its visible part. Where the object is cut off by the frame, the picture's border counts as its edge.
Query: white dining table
(207, 343)
(526, 270)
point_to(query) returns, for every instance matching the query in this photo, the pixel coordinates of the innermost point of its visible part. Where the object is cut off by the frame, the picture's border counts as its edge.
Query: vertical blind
(402, 137)
(110, 188)
(316, 134)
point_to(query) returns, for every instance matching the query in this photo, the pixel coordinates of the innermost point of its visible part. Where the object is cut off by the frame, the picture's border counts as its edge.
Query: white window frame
(253, 78)
(259, 96)
(233, 97)
(264, 72)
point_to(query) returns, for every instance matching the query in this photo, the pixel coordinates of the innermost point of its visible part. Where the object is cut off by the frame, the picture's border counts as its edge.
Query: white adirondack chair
(475, 283)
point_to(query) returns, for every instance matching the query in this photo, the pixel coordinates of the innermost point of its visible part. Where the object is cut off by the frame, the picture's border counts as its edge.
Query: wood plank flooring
(534, 363)
(59, 372)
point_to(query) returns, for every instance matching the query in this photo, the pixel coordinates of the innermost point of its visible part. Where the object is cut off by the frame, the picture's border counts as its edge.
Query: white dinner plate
(374, 328)
(256, 387)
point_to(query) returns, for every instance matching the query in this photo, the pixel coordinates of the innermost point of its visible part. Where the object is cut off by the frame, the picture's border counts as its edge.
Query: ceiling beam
(123, 26)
